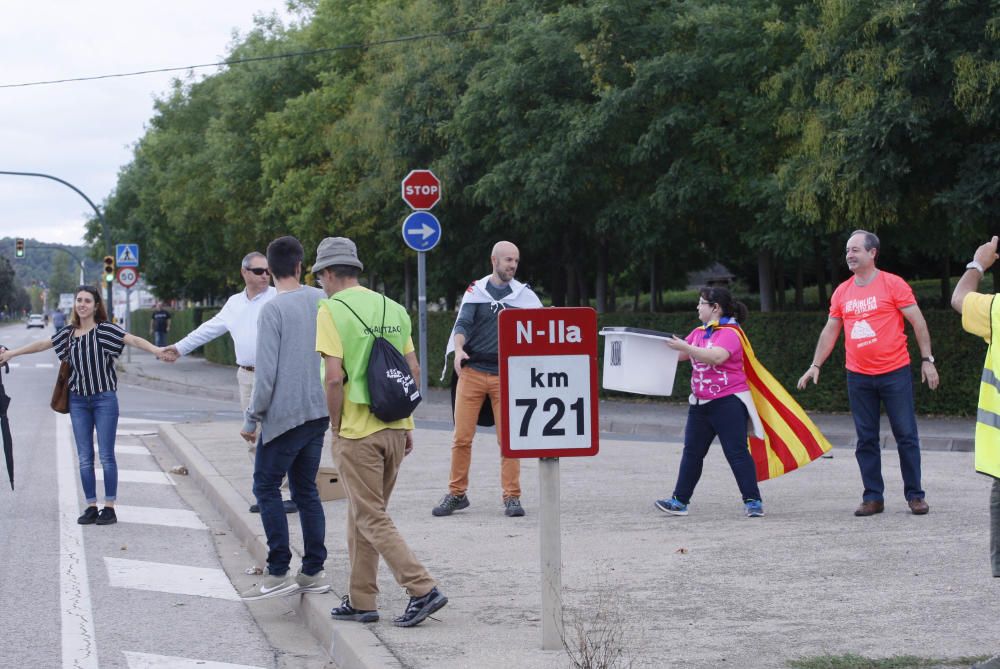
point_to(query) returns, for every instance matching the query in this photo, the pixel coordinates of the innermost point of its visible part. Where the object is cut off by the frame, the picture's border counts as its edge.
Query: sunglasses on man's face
(259, 271)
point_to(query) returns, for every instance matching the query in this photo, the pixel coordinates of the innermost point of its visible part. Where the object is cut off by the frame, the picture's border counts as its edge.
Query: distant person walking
(289, 405)
(870, 308)
(58, 319)
(474, 338)
(720, 402)
(981, 317)
(91, 344)
(159, 324)
(367, 451)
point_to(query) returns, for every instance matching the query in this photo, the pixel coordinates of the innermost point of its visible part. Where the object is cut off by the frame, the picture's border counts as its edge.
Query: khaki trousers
(473, 389)
(368, 469)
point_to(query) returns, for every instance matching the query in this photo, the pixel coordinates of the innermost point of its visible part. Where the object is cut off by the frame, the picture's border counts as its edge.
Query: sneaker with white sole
(271, 586)
(420, 607)
(312, 583)
(673, 506)
(754, 508)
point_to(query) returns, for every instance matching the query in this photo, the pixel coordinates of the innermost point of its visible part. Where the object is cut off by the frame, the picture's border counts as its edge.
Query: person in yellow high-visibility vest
(981, 317)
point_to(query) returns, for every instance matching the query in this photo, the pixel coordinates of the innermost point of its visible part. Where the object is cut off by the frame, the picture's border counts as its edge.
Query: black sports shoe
(420, 607)
(450, 503)
(107, 516)
(347, 612)
(513, 507)
(88, 517)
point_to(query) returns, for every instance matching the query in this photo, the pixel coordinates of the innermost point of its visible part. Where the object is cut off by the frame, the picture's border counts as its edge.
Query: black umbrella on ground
(8, 443)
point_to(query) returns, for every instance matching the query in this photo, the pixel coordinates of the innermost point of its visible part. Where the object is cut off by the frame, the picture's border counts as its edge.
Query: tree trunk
(613, 295)
(765, 274)
(601, 281)
(799, 286)
(838, 269)
(572, 285)
(557, 285)
(653, 287)
(407, 289)
(451, 296)
(945, 282)
(779, 273)
(820, 261)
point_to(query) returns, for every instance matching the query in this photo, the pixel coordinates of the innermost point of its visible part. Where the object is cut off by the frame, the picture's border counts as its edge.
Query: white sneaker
(271, 586)
(312, 583)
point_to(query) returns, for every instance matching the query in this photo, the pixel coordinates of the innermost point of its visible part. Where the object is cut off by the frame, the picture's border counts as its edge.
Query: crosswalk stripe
(44, 365)
(173, 578)
(150, 661)
(136, 476)
(150, 515)
(131, 450)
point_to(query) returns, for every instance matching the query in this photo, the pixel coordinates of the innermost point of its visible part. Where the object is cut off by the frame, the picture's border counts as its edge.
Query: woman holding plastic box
(720, 402)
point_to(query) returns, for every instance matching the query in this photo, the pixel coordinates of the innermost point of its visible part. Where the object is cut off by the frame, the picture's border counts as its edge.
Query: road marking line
(149, 661)
(44, 365)
(130, 450)
(79, 645)
(173, 578)
(150, 515)
(140, 421)
(14, 365)
(135, 476)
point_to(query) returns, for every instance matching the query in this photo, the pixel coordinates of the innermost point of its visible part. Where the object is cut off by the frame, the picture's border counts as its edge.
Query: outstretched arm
(33, 347)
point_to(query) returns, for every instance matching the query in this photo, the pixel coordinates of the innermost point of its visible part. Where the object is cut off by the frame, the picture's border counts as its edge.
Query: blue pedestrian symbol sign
(421, 231)
(126, 255)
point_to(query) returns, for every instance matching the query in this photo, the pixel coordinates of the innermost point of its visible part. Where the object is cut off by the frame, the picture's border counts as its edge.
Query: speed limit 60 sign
(548, 382)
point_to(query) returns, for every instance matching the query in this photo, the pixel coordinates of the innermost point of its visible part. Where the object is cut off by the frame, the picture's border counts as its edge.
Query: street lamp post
(104, 225)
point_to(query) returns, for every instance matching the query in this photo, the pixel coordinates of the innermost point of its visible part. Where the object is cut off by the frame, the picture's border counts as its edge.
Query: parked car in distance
(36, 321)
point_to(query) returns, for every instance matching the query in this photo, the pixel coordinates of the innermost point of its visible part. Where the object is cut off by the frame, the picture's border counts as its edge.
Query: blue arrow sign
(421, 231)
(126, 255)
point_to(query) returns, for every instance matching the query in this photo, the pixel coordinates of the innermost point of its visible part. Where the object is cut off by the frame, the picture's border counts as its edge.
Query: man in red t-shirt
(870, 307)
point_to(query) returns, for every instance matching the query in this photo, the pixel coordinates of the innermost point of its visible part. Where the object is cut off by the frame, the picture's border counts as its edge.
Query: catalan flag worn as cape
(791, 439)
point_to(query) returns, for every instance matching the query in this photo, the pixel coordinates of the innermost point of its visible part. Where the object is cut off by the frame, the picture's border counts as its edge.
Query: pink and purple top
(710, 382)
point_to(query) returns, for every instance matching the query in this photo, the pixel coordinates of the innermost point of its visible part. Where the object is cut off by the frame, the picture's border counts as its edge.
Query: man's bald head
(505, 258)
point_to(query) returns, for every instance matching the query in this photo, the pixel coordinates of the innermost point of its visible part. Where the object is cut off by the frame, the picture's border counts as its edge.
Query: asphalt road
(149, 591)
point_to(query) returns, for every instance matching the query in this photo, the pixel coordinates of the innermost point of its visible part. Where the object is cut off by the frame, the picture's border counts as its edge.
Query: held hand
(169, 354)
(811, 373)
(409, 444)
(249, 437)
(677, 343)
(460, 356)
(5, 356)
(986, 254)
(928, 372)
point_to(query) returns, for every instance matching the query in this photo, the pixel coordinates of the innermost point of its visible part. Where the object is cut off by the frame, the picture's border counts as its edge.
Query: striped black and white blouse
(91, 357)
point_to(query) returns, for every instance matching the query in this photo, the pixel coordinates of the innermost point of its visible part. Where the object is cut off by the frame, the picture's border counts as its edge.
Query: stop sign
(421, 190)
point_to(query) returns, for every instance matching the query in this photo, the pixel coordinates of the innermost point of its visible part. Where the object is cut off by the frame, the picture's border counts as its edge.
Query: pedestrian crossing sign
(127, 255)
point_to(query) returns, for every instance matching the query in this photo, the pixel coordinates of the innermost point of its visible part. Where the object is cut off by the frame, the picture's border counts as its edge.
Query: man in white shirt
(239, 318)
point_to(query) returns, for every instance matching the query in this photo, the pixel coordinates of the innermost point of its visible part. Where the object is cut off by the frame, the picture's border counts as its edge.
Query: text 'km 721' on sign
(548, 382)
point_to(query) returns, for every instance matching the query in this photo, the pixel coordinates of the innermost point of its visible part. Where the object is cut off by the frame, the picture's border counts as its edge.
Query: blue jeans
(727, 418)
(295, 453)
(160, 338)
(87, 412)
(865, 393)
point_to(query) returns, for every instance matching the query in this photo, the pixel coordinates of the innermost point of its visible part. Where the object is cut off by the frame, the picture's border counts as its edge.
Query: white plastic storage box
(638, 361)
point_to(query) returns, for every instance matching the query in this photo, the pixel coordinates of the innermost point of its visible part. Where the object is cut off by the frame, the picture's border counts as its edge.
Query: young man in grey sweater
(289, 404)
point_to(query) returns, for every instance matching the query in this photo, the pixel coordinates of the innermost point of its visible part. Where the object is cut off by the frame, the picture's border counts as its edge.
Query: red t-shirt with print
(873, 323)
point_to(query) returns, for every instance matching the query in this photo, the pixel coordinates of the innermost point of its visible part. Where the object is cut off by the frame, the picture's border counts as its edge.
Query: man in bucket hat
(367, 451)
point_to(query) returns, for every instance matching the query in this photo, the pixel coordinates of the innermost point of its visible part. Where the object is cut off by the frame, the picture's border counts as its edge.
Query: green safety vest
(988, 412)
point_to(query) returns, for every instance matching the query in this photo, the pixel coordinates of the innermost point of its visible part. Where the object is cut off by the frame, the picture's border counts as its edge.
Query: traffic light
(19, 247)
(109, 268)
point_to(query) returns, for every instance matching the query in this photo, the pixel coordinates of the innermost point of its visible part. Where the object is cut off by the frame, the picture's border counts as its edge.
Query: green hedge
(784, 343)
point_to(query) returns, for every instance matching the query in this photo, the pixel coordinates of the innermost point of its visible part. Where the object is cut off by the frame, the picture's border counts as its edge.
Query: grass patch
(897, 662)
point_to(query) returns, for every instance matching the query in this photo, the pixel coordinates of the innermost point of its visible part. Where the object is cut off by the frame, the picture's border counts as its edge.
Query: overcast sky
(83, 131)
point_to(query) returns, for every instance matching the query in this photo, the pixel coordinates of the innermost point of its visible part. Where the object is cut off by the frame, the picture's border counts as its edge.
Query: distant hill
(37, 263)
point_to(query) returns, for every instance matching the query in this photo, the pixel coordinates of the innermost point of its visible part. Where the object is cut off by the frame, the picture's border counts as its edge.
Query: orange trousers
(473, 389)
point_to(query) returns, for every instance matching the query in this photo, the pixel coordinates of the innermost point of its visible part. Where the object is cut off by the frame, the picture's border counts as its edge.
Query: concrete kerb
(349, 645)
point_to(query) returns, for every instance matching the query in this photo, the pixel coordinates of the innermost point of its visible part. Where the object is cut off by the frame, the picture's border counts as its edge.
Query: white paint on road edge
(150, 661)
(150, 515)
(177, 579)
(79, 645)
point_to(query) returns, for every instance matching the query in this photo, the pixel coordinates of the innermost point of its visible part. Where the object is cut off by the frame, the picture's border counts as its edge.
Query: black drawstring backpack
(392, 390)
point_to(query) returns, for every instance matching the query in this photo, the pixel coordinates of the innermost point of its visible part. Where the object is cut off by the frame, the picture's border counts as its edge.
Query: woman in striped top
(91, 344)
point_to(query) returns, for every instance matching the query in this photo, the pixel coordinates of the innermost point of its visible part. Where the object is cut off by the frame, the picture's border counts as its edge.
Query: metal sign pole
(551, 550)
(128, 321)
(422, 318)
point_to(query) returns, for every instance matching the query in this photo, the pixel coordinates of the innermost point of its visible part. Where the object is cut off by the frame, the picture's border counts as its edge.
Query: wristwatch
(975, 265)
(929, 358)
